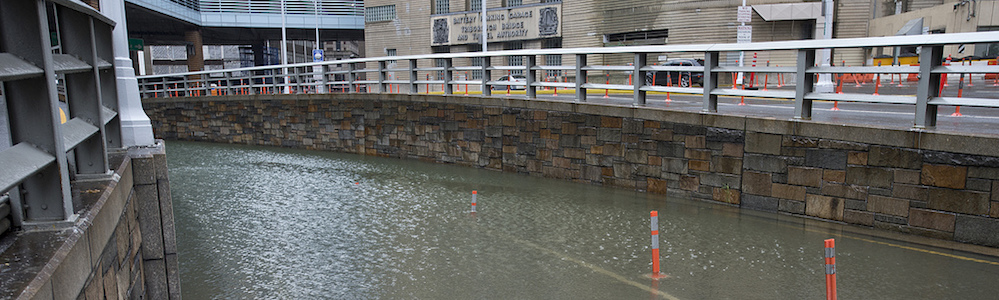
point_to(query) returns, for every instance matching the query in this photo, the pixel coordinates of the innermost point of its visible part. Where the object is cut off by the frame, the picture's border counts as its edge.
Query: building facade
(443, 26)
(416, 27)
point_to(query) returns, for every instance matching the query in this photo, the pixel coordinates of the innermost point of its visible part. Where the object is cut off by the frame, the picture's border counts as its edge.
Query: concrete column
(823, 30)
(148, 59)
(258, 53)
(136, 130)
(195, 52)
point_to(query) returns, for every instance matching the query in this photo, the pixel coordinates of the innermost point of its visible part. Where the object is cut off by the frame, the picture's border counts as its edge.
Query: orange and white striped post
(766, 77)
(780, 79)
(877, 84)
(606, 90)
(655, 244)
(960, 93)
(669, 83)
(474, 202)
(830, 269)
(508, 79)
(970, 75)
(943, 77)
(555, 91)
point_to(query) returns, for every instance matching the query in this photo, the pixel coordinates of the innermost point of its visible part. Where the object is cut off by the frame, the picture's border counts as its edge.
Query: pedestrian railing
(53, 51)
(427, 72)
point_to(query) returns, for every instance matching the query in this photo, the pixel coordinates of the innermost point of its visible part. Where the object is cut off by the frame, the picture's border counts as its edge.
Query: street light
(284, 47)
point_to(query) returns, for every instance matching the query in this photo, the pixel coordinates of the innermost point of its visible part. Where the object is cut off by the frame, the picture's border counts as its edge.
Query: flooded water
(271, 223)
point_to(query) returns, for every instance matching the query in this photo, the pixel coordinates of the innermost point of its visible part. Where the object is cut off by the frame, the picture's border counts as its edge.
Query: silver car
(519, 79)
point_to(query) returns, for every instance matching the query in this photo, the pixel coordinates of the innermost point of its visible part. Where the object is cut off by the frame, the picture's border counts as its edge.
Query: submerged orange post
(474, 193)
(830, 269)
(655, 244)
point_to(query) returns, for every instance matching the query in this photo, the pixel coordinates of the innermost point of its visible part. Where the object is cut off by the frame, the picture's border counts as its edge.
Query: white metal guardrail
(49, 145)
(353, 75)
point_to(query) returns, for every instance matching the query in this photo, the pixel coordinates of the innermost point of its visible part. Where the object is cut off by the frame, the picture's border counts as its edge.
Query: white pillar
(823, 30)
(136, 130)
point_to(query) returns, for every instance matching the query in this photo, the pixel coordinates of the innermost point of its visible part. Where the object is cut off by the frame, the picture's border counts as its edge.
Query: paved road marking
(898, 246)
(590, 266)
(580, 262)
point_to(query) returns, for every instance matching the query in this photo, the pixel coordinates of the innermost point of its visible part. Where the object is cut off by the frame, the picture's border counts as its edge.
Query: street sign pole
(744, 34)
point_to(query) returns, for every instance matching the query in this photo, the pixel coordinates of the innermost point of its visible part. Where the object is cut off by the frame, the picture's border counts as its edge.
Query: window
(987, 50)
(515, 60)
(477, 74)
(440, 62)
(442, 6)
(550, 1)
(379, 13)
(659, 35)
(390, 52)
(474, 5)
(552, 59)
(513, 3)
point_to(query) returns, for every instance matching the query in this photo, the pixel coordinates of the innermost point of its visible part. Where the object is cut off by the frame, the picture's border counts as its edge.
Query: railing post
(580, 77)
(448, 89)
(532, 90)
(228, 83)
(710, 82)
(487, 75)
(637, 79)
(249, 75)
(299, 79)
(414, 88)
(204, 84)
(929, 86)
(382, 74)
(350, 77)
(804, 84)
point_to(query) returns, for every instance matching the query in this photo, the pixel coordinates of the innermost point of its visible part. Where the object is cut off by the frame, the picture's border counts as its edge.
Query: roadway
(974, 120)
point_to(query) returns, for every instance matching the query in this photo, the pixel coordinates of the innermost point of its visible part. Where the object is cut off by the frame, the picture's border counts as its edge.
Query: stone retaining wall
(932, 184)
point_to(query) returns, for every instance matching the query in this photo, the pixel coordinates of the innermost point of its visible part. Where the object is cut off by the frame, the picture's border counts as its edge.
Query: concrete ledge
(57, 264)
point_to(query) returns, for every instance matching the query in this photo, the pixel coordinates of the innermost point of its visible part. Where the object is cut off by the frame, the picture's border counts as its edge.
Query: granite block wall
(918, 182)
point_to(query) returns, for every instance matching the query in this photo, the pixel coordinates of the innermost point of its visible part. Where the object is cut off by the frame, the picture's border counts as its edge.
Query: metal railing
(50, 145)
(352, 75)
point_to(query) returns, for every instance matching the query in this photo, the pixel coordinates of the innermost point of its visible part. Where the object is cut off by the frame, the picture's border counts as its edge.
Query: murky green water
(273, 223)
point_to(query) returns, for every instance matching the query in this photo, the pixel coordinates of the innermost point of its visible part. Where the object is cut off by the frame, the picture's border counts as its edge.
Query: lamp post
(284, 47)
(484, 42)
(317, 56)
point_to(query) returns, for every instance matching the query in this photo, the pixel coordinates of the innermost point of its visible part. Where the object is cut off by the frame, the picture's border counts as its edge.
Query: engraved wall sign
(502, 25)
(548, 21)
(441, 31)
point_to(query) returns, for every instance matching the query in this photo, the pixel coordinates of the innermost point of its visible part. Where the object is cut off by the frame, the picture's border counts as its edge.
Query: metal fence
(59, 99)
(422, 71)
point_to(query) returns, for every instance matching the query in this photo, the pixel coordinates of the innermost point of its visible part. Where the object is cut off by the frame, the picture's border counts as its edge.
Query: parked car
(520, 79)
(677, 78)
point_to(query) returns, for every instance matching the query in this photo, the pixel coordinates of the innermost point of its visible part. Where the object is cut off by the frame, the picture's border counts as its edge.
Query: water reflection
(276, 223)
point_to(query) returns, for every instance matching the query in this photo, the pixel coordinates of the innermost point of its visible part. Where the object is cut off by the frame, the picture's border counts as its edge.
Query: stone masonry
(918, 182)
